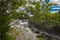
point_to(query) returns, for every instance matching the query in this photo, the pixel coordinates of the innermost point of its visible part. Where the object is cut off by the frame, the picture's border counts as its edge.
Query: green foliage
(47, 20)
(7, 13)
(4, 25)
(13, 33)
(43, 16)
(41, 37)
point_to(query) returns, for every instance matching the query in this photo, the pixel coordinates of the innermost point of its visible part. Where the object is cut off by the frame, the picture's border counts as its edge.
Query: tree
(44, 20)
(41, 13)
(8, 12)
(42, 17)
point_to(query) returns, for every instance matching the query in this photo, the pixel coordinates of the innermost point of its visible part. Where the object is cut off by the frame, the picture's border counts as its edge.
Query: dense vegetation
(42, 17)
(8, 12)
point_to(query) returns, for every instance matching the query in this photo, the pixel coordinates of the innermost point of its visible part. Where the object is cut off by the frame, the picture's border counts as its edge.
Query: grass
(41, 37)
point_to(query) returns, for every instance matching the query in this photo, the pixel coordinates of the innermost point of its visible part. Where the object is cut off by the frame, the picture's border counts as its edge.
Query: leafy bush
(47, 20)
(12, 34)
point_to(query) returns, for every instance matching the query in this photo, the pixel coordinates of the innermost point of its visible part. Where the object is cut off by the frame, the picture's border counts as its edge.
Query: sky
(55, 1)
